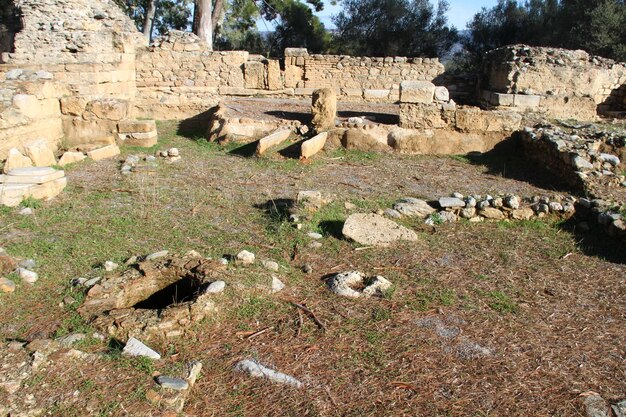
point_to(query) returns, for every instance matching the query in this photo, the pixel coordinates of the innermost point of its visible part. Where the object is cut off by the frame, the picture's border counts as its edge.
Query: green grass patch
(502, 303)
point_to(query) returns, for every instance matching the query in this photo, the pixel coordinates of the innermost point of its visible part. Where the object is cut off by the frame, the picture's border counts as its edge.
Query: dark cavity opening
(10, 24)
(183, 290)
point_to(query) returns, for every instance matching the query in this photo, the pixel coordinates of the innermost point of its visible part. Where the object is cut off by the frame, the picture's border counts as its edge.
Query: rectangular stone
(31, 176)
(48, 190)
(104, 153)
(417, 92)
(11, 195)
(375, 94)
(531, 101)
(499, 99)
(272, 140)
(136, 126)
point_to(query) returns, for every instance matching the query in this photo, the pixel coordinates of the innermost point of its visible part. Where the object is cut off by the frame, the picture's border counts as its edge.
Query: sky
(460, 12)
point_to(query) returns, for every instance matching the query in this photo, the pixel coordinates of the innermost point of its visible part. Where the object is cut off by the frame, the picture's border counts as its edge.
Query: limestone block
(71, 157)
(48, 190)
(136, 126)
(28, 105)
(15, 159)
(442, 94)
(527, 101)
(254, 73)
(375, 94)
(144, 140)
(73, 106)
(324, 109)
(293, 75)
(297, 52)
(361, 140)
(274, 78)
(104, 153)
(107, 109)
(499, 99)
(313, 145)
(40, 153)
(32, 175)
(421, 116)
(272, 140)
(11, 195)
(417, 92)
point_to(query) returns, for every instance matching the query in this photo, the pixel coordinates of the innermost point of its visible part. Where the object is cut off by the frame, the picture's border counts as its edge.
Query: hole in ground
(183, 290)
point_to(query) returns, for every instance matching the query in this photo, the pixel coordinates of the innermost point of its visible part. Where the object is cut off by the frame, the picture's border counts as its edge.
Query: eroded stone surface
(372, 229)
(354, 284)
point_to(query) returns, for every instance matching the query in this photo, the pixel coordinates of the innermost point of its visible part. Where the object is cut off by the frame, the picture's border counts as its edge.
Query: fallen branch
(310, 314)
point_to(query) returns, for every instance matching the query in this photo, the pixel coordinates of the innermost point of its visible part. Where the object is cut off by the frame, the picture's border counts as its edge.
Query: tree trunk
(218, 15)
(205, 27)
(148, 21)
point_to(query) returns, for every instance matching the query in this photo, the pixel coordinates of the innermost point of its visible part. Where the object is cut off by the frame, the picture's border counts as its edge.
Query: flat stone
(6, 285)
(110, 266)
(31, 176)
(310, 199)
(177, 384)
(71, 158)
(581, 163)
(135, 348)
(451, 202)
(272, 140)
(104, 152)
(271, 265)
(417, 92)
(611, 159)
(314, 145)
(314, 235)
(157, 255)
(376, 230)
(70, 339)
(525, 213)
(413, 207)
(216, 287)
(28, 263)
(257, 370)
(91, 282)
(596, 406)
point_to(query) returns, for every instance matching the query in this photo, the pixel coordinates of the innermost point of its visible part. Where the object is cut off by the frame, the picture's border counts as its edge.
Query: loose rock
(259, 371)
(271, 265)
(177, 384)
(372, 229)
(27, 276)
(413, 207)
(343, 284)
(245, 257)
(277, 285)
(216, 287)
(135, 348)
(6, 285)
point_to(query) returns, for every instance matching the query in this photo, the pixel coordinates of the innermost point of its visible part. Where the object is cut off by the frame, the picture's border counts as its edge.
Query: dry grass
(554, 324)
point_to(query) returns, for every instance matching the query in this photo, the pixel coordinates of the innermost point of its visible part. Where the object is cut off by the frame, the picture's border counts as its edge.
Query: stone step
(104, 153)
(313, 145)
(37, 175)
(136, 126)
(274, 139)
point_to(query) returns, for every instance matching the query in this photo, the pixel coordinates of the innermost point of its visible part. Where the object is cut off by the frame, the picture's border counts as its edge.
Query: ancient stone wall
(562, 83)
(80, 50)
(179, 77)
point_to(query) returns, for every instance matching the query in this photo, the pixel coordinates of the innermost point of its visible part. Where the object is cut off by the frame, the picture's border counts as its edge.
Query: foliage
(597, 26)
(393, 27)
(170, 14)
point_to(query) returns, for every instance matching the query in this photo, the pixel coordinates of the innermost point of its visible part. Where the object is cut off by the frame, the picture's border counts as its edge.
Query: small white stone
(223, 261)
(173, 152)
(271, 265)
(110, 266)
(26, 211)
(216, 287)
(314, 235)
(246, 257)
(157, 255)
(277, 285)
(90, 283)
(135, 348)
(27, 276)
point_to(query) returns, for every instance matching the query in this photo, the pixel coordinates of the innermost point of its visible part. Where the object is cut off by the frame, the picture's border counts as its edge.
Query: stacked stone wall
(560, 82)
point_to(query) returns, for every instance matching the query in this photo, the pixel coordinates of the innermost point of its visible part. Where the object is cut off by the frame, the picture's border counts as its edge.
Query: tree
(148, 22)
(169, 14)
(393, 27)
(203, 18)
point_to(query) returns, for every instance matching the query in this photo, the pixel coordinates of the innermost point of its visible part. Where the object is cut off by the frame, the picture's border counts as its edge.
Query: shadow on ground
(507, 160)
(277, 210)
(196, 127)
(596, 243)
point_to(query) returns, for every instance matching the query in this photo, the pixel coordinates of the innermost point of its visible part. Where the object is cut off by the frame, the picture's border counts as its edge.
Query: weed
(436, 218)
(460, 158)
(144, 364)
(253, 307)
(32, 203)
(381, 314)
(502, 303)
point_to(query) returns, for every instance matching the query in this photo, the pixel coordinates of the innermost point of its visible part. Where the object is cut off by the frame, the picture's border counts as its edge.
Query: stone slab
(104, 153)
(417, 92)
(530, 101)
(48, 190)
(313, 145)
(31, 176)
(71, 157)
(136, 126)
(272, 140)
(375, 230)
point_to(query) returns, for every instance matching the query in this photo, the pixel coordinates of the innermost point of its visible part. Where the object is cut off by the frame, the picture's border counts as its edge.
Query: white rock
(27, 276)
(216, 287)
(413, 207)
(246, 257)
(343, 284)
(110, 266)
(173, 152)
(271, 265)
(451, 202)
(157, 255)
(611, 159)
(93, 281)
(314, 235)
(135, 348)
(372, 229)
(259, 371)
(26, 211)
(277, 285)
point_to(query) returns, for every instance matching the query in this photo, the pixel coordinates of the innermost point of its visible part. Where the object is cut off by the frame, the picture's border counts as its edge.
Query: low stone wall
(559, 82)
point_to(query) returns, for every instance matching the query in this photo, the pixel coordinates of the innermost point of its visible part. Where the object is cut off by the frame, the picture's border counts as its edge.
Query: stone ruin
(76, 75)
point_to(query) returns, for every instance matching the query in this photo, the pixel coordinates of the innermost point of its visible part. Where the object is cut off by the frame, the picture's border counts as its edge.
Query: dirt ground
(490, 319)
